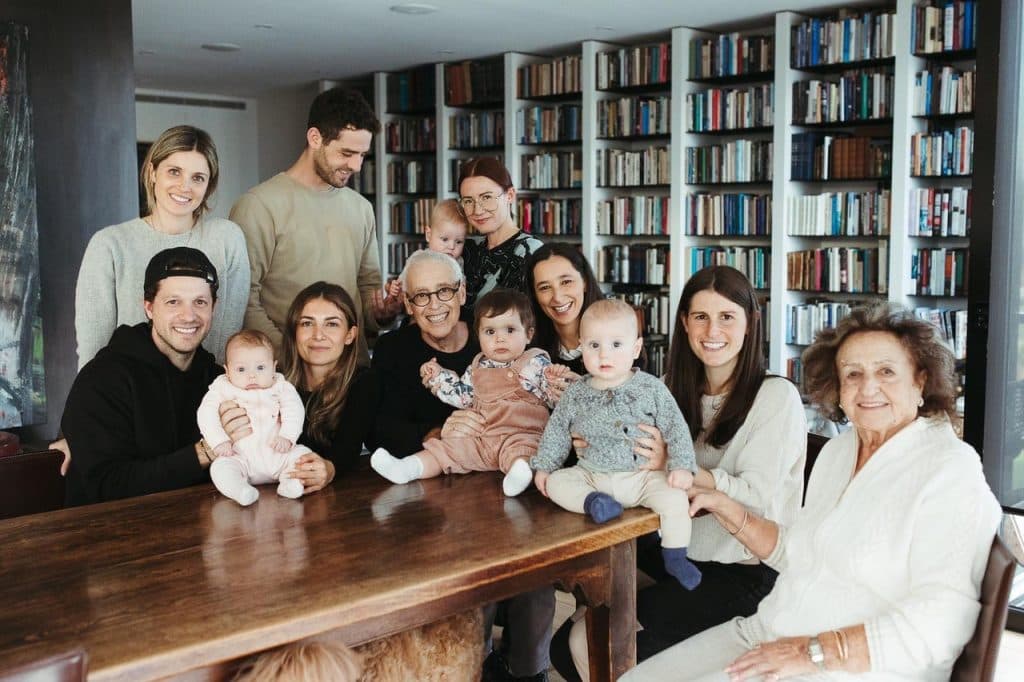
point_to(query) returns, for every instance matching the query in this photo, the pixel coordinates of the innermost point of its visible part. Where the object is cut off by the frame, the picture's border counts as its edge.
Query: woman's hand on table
(314, 471)
(234, 420)
(463, 424)
(776, 660)
(651, 447)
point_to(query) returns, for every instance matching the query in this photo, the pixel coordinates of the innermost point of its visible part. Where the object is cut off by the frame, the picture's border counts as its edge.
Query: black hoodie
(130, 420)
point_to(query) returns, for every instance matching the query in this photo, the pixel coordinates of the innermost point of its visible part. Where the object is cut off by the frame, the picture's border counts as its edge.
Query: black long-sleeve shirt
(354, 423)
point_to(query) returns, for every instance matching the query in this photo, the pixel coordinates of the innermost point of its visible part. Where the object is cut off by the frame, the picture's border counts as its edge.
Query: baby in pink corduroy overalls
(275, 414)
(507, 384)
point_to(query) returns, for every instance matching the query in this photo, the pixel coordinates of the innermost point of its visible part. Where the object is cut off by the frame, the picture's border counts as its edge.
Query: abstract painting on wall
(22, 390)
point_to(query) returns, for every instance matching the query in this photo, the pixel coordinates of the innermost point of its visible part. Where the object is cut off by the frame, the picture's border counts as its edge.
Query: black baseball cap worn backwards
(180, 261)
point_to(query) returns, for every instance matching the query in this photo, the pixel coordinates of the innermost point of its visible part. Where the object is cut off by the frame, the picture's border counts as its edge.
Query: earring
(920, 402)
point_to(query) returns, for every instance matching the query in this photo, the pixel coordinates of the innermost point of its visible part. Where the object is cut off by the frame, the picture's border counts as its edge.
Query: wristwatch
(816, 653)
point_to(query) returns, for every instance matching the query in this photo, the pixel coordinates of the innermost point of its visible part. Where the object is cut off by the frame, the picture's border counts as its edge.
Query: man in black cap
(130, 418)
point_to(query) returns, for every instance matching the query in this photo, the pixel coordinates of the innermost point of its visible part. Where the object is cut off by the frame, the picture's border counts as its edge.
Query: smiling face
(879, 386)
(250, 367)
(323, 333)
(503, 337)
(610, 345)
(180, 313)
(485, 191)
(179, 183)
(716, 328)
(336, 161)
(446, 236)
(437, 319)
(559, 289)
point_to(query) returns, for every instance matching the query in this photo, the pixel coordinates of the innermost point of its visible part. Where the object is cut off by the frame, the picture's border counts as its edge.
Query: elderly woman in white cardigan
(880, 574)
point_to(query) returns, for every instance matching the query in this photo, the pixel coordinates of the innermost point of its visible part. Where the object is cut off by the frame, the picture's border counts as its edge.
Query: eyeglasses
(422, 299)
(486, 202)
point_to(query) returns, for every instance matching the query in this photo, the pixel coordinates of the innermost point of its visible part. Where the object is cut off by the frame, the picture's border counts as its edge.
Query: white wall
(234, 131)
(283, 113)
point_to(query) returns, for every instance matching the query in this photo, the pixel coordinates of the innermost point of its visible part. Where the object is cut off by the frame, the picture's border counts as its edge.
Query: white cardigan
(900, 548)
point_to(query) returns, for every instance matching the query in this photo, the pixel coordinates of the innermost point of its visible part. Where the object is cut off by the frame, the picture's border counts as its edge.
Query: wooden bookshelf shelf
(638, 89)
(733, 131)
(559, 97)
(738, 79)
(557, 143)
(657, 137)
(949, 55)
(839, 67)
(833, 125)
(629, 187)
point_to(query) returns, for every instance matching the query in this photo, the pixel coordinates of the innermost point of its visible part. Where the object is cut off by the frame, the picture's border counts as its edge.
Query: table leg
(611, 626)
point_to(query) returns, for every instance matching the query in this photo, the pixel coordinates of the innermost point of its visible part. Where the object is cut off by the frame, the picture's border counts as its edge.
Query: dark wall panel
(81, 81)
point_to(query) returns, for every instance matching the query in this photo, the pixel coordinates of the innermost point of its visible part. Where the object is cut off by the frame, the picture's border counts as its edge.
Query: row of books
(730, 108)
(634, 66)
(410, 135)
(739, 214)
(476, 129)
(839, 269)
(851, 214)
(754, 262)
(365, 181)
(952, 326)
(795, 370)
(411, 217)
(942, 27)
(940, 212)
(399, 252)
(634, 264)
(735, 161)
(731, 54)
(624, 168)
(539, 125)
(805, 320)
(944, 90)
(939, 271)
(656, 308)
(856, 96)
(631, 116)
(851, 37)
(818, 156)
(637, 215)
(412, 177)
(411, 90)
(541, 215)
(657, 351)
(552, 170)
(475, 82)
(942, 152)
(558, 77)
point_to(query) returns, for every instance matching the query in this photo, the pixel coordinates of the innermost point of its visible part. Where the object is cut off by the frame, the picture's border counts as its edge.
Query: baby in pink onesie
(275, 414)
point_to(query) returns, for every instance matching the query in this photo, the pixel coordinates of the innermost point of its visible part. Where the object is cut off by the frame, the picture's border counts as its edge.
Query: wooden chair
(30, 482)
(69, 667)
(977, 662)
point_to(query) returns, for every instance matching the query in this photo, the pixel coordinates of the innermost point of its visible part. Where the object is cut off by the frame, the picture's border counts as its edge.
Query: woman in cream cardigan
(879, 575)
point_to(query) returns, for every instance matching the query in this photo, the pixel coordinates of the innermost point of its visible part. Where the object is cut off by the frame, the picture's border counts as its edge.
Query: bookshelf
(860, 214)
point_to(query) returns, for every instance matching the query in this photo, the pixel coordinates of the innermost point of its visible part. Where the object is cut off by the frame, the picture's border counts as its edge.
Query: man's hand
(234, 420)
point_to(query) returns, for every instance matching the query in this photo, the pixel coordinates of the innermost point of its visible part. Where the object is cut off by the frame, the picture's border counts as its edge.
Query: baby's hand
(680, 478)
(429, 370)
(559, 377)
(280, 444)
(225, 449)
(394, 288)
(540, 479)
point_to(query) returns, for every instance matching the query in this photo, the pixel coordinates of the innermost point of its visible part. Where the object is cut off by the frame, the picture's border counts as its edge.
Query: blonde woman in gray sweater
(750, 438)
(179, 175)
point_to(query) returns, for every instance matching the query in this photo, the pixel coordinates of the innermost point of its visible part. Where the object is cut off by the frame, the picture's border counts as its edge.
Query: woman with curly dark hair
(880, 573)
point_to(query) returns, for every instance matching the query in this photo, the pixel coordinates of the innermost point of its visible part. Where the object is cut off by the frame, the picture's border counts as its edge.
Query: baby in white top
(275, 414)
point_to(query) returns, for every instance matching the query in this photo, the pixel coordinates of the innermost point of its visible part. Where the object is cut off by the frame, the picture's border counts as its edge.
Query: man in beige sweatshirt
(304, 225)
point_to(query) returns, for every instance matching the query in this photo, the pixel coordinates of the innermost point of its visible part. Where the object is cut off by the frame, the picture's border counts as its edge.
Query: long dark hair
(545, 337)
(324, 409)
(686, 378)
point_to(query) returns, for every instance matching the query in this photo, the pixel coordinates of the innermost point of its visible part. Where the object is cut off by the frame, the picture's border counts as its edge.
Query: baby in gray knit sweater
(605, 408)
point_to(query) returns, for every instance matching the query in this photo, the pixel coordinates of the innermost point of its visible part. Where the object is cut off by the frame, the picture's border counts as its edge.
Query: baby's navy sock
(681, 568)
(601, 507)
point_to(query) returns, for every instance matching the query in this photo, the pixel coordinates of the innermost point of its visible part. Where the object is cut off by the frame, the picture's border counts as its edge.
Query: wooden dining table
(183, 583)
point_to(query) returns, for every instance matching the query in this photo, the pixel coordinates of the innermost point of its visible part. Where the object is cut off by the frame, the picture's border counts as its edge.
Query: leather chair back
(30, 483)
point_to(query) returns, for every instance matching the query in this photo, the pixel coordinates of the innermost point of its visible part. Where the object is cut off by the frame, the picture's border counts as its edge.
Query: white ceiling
(313, 39)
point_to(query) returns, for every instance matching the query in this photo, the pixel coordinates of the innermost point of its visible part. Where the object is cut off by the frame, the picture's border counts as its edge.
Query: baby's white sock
(394, 469)
(518, 478)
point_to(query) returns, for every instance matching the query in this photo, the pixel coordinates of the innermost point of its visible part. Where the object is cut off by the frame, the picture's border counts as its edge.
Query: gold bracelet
(746, 515)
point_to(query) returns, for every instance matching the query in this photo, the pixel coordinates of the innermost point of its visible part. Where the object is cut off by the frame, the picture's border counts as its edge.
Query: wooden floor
(1011, 651)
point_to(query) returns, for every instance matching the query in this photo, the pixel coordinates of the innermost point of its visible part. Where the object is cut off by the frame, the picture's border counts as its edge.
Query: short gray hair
(426, 256)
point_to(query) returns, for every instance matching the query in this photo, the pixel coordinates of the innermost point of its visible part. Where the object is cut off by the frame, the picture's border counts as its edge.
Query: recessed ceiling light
(221, 47)
(147, 53)
(413, 8)
(446, 51)
(605, 28)
(264, 27)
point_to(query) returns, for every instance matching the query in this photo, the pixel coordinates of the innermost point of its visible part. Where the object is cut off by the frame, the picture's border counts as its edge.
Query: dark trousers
(669, 613)
(526, 637)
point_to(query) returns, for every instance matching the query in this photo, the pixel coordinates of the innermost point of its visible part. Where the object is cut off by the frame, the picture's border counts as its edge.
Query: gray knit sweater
(607, 419)
(109, 290)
